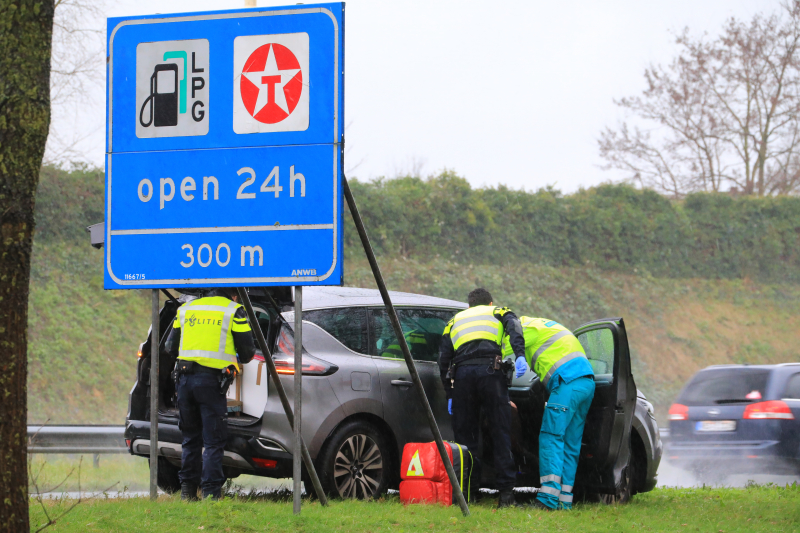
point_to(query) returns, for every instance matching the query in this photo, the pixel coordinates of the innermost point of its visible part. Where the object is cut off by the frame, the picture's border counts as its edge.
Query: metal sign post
(398, 331)
(154, 349)
(223, 152)
(298, 396)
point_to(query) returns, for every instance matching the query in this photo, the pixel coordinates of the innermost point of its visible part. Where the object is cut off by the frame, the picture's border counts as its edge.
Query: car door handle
(402, 383)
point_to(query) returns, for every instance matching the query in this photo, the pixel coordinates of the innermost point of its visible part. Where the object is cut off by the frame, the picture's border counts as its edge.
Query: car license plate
(716, 425)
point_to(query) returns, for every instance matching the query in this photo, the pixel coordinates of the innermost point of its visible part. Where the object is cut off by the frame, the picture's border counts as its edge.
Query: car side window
(793, 388)
(599, 347)
(422, 328)
(263, 318)
(347, 325)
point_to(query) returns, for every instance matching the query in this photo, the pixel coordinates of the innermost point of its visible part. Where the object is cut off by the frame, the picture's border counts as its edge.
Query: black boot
(189, 492)
(539, 506)
(213, 494)
(506, 499)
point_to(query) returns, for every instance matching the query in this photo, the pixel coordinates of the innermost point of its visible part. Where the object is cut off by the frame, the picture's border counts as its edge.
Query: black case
(462, 464)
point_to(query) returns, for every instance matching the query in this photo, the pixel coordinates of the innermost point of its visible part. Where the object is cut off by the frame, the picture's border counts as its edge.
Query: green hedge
(615, 227)
(68, 202)
(610, 226)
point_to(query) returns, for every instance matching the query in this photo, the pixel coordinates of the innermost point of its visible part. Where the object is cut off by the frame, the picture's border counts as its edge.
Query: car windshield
(725, 386)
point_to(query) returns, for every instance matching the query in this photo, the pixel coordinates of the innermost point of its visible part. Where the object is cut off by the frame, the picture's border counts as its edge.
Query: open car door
(605, 451)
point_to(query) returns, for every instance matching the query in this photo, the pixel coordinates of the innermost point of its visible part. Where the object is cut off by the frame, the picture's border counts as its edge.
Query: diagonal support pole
(273, 373)
(398, 331)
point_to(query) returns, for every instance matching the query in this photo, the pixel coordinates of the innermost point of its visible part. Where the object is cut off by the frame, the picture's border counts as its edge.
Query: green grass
(756, 508)
(70, 473)
(116, 473)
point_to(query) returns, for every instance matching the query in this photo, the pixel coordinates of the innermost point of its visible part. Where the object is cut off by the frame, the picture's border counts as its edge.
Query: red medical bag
(424, 477)
(425, 491)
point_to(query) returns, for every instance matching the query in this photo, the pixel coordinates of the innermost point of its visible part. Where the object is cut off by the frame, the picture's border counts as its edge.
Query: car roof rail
(788, 364)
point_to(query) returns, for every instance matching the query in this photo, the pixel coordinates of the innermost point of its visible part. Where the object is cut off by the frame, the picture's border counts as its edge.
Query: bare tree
(25, 30)
(723, 115)
(78, 73)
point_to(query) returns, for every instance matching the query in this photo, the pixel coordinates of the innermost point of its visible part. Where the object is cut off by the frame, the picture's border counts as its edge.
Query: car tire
(356, 462)
(167, 479)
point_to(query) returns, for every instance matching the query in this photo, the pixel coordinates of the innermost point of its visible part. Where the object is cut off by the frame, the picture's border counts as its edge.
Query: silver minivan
(360, 410)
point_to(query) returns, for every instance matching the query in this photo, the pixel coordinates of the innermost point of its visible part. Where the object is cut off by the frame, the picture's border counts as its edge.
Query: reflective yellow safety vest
(476, 323)
(413, 338)
(207, 326)
(548, 345)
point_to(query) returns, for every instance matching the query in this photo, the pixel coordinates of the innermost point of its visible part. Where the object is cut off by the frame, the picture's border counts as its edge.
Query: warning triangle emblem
(415, 466)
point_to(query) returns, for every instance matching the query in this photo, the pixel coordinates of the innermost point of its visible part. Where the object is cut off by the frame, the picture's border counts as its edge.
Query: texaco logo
(271, 90)
(271, 83)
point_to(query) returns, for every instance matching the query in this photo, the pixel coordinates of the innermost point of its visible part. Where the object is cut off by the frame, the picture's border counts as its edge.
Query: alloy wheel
(358, 467)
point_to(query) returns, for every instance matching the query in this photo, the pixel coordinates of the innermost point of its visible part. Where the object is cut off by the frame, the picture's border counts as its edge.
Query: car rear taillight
(771, 410)
(139, 353)
(284, 359)
(265, 463)
(678, 412)
(311, 365)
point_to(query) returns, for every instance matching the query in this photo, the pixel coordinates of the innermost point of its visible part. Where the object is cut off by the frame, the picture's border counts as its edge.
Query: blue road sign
(223, 148)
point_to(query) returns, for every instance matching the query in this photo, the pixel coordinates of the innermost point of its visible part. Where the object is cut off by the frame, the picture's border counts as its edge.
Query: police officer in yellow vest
(471, 343)
(559, 360)
(207, 333)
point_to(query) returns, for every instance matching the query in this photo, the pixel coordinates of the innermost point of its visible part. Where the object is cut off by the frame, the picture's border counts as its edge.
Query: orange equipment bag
(424, 477)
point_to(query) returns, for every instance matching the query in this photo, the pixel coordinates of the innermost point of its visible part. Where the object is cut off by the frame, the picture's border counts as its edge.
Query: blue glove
(521, 366)
(450, 406)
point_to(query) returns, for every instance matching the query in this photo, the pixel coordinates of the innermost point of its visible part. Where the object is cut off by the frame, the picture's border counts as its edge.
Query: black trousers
(203, 411)
(476, 387)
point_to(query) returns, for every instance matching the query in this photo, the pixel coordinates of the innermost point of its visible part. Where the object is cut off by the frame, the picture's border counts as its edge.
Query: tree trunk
(25, 36)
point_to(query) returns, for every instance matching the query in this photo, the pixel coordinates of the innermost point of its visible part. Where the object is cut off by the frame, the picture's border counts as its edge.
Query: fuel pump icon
(163, 99)
(166, 93)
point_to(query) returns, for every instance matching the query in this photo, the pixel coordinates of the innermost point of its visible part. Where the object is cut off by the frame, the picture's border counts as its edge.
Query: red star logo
(271, 83)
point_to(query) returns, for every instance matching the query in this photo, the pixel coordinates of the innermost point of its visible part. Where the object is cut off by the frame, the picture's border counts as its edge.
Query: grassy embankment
(83, 340)
(756, 508)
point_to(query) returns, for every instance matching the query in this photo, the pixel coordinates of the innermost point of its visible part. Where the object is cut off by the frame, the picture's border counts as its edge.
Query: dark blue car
(737, 419)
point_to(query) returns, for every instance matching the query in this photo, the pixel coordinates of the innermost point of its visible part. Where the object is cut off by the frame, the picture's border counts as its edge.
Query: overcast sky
(506, 92)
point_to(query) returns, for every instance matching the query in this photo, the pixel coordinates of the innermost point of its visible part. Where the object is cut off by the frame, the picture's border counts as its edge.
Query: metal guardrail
(76, 439)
